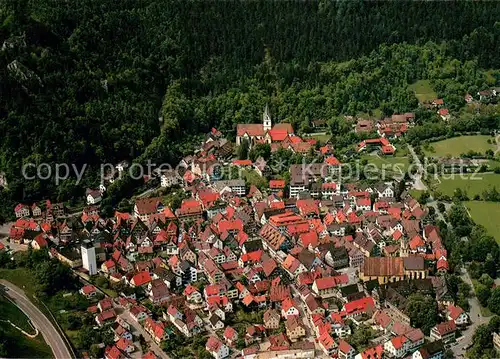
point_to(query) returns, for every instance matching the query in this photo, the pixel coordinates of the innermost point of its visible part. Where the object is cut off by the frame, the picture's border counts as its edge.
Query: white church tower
(266, 117)
(88, 257)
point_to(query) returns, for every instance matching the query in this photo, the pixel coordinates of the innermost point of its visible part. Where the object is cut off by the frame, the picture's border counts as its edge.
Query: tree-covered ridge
(106, 80)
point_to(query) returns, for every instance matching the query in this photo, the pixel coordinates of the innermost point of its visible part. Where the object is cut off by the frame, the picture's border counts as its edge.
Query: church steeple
(404, 250)
(266, 119)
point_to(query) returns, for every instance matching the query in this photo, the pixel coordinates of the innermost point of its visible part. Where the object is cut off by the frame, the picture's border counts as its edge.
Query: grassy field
(322, 139)
(377, 113)
(458, 145)
(486, 214)
(21, 278)
(390, 164)
(474, 185)
(415, 193)
(11, 312)
(423, 91)
(21, 346)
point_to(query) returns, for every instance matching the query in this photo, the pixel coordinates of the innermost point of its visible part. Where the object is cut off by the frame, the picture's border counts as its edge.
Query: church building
(263, 132)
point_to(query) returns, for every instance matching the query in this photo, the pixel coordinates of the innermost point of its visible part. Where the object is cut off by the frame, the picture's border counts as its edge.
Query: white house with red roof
(230, 336)
(444, 331)
(457, 314)
(325, 287)
(345, 350)
(444, 113)
(276, 185)
(217, 348)
(106, 317)
(289, 307)
(155, 329)
(88, 291)
(141, 279)
(22, 210)
(328, 344)
(125, 345)
(139, 313)
(192, 294)
(146, 207)
(396, 347)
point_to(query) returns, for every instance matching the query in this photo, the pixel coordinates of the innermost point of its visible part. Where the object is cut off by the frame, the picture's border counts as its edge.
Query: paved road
(138, 329)
(310, 335)
(476, 319)
(418, 184)
(39, 320)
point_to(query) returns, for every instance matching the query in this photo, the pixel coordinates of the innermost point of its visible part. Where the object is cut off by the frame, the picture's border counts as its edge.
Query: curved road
(39, 320)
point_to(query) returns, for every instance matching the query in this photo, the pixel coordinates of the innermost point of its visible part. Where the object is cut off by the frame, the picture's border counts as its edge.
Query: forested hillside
(88, 81)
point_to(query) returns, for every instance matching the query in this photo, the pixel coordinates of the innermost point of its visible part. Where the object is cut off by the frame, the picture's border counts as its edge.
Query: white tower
(88, 257)
(266, 117)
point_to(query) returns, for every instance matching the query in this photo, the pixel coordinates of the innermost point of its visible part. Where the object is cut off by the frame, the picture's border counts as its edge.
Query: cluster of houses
(316, 263)
(279, 135)
(126, 344)
(483, 96)
(389, 127)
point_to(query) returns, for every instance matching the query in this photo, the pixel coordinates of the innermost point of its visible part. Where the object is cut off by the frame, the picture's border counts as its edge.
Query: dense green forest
(105, 80)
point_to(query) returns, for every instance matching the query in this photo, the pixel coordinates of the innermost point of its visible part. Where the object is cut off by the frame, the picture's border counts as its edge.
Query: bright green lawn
(423, 91)
(389, 163)
(321, 138)
(20, 277)
(473, 184)
(415, 193)
(11, 312)
(458, 145)
(487, 215)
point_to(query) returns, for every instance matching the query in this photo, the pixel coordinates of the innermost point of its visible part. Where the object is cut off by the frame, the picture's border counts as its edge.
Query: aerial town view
(255, 180)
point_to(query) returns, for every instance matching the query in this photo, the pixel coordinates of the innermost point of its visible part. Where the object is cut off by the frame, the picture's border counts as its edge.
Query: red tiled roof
(360, 305)
(87, 289)
(229, 333)
(330, 282)
(147, 205)
(344, 346)
(397, 234)
(141, 278)
(446, 327)
(277, 184)
(373, 353)
(455, 312)
(442, 264)
(416, 242)
(332, 161)
(252, 129)
(242, 162)
(398, 342)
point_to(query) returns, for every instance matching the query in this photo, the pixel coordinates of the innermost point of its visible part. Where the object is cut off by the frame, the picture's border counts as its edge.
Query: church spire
(266, 119)
(404, 250)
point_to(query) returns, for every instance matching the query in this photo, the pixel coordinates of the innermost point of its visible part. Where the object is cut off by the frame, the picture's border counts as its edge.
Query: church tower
(404, 250)
(266, 118)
